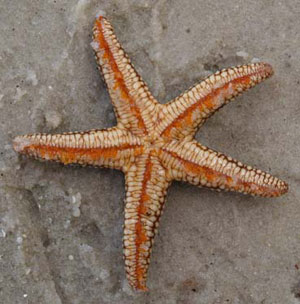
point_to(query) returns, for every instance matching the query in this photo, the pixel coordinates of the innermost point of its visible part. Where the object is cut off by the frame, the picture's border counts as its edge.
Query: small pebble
(70, 257)
(19, 94)
(242, 54)
(53, 119)
(31, 77)
(2, 233)
(28, 270)
(254, 60)
(76, 212)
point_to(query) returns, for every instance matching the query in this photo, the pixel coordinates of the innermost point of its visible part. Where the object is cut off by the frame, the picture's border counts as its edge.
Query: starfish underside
(154, 144)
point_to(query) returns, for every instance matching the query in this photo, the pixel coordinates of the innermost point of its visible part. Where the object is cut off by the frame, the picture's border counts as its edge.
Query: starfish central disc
(154, 144)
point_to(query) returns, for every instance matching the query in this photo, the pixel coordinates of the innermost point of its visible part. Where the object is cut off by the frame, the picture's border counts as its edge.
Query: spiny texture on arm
(146, 187)
(198, 165)
(133, 103)
(112, 148)
(186, 113)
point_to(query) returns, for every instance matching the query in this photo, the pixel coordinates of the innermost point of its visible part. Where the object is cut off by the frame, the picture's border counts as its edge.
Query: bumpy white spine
(112, 148)
(183, 116)
(146, 188)
(198, 165)
(134, 105)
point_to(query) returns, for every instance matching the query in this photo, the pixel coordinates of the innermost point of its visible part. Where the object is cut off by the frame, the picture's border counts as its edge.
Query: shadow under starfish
(154, 144)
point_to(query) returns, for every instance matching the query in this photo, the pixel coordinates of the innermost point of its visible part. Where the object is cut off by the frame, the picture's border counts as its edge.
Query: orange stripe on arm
(146, 184)
(186, 113)
(198, 165)
(133, 103)
(109, 148)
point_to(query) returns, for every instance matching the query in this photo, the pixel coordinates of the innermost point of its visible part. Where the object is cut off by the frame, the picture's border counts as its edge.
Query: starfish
(153, 144)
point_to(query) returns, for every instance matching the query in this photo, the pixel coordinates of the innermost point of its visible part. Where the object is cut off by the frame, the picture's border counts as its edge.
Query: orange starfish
(154, 144)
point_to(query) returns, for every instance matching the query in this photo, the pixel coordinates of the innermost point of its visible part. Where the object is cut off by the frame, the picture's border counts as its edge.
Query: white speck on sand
(19, 240)
(75, 199)
(53, 119)
(2, 233)
(254, 60)
(19, 94)
(71, 257)
(1, 103)
(31, 77)
(242, 54)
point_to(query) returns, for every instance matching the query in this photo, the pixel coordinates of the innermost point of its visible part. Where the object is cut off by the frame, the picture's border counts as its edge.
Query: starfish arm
(133, 103)
(198, 165)
(112, 148)
(185, 114)
(146, 187)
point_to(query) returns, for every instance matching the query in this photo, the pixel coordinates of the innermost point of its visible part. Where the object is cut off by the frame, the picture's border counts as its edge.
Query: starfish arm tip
(142, 288)
(20, 143)
(285, 188)
(100, 13)
(138, 286)
(267, 69)
(279, 189)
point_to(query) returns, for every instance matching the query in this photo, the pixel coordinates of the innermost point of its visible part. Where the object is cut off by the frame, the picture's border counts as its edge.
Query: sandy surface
(61, 227)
